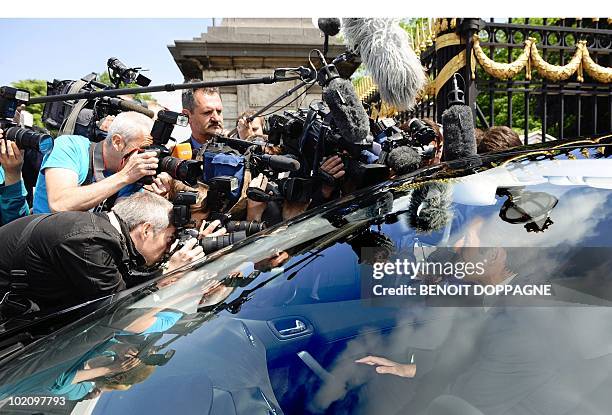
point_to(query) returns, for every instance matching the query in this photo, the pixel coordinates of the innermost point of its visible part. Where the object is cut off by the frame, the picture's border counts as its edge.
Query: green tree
(37, 88)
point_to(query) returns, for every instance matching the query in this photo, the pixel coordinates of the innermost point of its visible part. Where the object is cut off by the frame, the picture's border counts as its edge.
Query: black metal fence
(561, 109)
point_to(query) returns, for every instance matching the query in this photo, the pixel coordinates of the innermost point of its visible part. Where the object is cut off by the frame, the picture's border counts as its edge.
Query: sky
(72, 48)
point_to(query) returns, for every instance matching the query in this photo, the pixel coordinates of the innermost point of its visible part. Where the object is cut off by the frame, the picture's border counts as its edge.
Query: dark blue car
(325, 315)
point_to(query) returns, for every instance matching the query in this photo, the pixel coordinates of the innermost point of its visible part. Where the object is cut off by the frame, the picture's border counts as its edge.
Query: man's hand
(162, 184)
(106, 122)
(124, 363)
(17, 116)
(256, 209)
(138, 166)
(190, 252)
(386, 366)
(245, 130)
(11, 160)
(207, 230)
(335, 168)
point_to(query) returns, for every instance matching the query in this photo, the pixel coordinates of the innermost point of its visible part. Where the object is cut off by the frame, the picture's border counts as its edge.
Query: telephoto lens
(28, 139)
(215, 243)
(185, 170)
(249, 227)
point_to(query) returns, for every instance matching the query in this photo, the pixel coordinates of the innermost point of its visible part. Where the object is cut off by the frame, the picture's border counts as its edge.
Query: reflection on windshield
(282, 322)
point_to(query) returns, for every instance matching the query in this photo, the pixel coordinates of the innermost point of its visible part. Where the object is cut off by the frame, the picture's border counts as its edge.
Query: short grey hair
(188, 98)
(130, 125)
(144, 207)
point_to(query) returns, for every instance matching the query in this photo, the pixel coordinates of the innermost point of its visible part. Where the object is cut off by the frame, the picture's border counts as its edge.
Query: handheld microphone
(280, 163)
(386, 52)
(346, 109)
(403, 160)
(329, 26)
(458, 125)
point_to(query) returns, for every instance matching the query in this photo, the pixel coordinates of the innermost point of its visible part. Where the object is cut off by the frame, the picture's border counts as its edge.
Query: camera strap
(96, 174)
(70, 123)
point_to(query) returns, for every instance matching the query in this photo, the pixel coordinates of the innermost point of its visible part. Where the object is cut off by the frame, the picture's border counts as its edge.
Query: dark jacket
(71, 257)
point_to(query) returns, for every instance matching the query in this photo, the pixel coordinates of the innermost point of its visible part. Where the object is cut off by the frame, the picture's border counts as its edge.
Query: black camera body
(188, 171)
(181, 219)
(310, 135)
(87, 113)
(24, 137)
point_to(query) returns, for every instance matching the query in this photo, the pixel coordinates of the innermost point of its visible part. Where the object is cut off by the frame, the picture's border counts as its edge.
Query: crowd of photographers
(112, 213)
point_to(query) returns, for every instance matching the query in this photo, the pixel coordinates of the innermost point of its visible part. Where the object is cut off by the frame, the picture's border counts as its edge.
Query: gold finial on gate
(423, 44)
(444, 25)
(429, 40)
(436, 27)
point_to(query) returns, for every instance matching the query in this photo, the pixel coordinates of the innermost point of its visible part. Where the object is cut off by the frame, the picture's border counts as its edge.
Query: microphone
(346, 109)
(280, 163)
(128, 106)
(329, 26)
(430, 207)
(458, 127)
(386, 52)
(404, 160)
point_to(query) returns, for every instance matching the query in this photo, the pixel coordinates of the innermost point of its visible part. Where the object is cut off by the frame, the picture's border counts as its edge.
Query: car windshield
(317, 315)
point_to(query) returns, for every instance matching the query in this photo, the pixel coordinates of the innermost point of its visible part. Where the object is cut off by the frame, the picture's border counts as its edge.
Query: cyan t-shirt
(69, 152)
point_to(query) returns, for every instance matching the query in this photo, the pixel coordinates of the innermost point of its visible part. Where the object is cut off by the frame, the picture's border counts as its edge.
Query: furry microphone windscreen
(459, 138)
(430, 207)
(346, 109)
(386, 52)
(404, 160)
(329, 26)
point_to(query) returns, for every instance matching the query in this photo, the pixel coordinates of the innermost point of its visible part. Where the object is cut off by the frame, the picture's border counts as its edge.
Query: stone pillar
(251, 48)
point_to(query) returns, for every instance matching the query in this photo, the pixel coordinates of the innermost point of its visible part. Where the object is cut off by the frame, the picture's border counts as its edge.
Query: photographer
(78, 175)
(13, 194)
(67, 258)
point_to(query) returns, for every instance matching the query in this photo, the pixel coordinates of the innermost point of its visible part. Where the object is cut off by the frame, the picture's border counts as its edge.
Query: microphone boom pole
(160, 88)
(286, 94)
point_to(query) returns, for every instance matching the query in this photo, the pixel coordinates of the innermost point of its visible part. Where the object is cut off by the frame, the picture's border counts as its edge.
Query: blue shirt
(13, 202)
(69, 152)
(195, 146)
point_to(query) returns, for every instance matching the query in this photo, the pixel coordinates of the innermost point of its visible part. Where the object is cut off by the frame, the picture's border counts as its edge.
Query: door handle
(299, 327)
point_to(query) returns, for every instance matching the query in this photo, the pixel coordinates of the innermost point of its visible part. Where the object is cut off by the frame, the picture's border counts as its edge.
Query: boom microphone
(458, 125)
(329, 26)
(126, 105)
(346, 109)
(404, 160)
(385, 51)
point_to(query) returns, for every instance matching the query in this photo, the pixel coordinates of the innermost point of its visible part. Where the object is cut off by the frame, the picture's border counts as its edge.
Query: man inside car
(57, 260)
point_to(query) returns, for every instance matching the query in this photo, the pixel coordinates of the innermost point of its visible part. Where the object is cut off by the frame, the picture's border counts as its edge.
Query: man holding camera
(66, 258)
(13, 194)
(78, 175)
